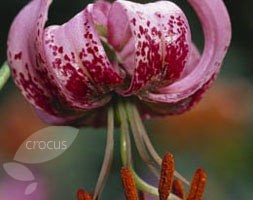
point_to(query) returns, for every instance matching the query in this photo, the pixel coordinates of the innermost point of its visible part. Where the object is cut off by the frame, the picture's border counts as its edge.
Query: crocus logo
(42, 146)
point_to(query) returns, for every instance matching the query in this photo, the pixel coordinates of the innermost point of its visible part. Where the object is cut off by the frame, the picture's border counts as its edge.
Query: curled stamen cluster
(130, 118)
(166, 186)
(169, 189)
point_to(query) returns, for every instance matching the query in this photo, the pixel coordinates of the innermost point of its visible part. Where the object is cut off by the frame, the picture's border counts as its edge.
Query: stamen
(125, 148)
(157, 158)
(144, 186)
(178, 189)
(167, 176)
(129, 184)
(139, 142)
(106, 166)
(87, 196)
(82, 195)
(198, 185)
(152, 151)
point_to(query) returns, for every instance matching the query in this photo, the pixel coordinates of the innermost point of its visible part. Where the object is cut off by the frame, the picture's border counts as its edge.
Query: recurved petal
(217, 29)
(160, 109)
(78, 63)
(192, 61)
(151, 40)
(23, 57)
(27, 59)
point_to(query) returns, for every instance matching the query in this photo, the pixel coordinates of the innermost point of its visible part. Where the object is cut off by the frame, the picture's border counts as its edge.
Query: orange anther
(82, 195)
(198, 185)
(128, 184)
(167, 176)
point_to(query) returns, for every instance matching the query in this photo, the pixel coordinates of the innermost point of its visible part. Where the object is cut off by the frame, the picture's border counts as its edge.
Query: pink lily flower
(121, 57)
(66, 73)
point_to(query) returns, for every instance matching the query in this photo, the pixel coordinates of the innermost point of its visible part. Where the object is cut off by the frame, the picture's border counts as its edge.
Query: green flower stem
(108, 158)
(4, 74)
(125, 147)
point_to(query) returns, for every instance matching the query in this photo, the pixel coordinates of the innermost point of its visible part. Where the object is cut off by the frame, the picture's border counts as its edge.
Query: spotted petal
(56, 80)
(151, 40)
(78, 63)
(26, 58)
(217, 29)
(22, 44)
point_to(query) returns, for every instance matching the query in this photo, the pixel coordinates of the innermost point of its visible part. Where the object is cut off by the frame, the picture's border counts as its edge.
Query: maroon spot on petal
(60, 50)
(66, 57)
(55, 48)
(18, 56)
(158, 14)
(133, 21)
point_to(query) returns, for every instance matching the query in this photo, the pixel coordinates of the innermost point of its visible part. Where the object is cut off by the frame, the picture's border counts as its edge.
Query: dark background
(217, 134)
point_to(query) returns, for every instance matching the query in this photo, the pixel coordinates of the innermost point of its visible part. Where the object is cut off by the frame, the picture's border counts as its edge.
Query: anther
(128, 184)
(82, 195)
(198, 185)
(167, 176)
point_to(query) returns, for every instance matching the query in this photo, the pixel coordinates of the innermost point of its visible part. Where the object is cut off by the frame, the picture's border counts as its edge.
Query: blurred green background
(217, 134)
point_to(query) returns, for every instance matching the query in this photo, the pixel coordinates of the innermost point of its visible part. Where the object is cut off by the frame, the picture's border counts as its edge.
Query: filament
(126, 150)
(145, 137)
(108, 158)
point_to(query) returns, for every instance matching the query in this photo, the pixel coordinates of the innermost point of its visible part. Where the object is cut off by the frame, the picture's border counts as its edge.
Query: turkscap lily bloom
(137, 58)
(119, 49)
